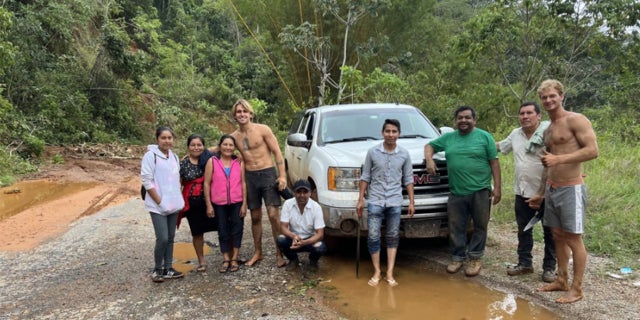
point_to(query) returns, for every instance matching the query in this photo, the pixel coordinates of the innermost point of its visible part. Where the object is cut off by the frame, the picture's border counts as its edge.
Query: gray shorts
(262, 184)
(565, 208)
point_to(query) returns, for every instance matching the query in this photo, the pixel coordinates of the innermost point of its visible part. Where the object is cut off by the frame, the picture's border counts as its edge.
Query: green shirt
(467, 159)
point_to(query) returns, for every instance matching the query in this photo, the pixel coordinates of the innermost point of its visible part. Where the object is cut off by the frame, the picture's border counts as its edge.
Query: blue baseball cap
(301, 184)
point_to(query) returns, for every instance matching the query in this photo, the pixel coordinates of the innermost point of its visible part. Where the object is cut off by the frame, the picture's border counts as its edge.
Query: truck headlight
(343, 179)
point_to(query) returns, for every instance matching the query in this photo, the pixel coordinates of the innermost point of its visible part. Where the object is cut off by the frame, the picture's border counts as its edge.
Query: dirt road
(85, 255)
(99, 269)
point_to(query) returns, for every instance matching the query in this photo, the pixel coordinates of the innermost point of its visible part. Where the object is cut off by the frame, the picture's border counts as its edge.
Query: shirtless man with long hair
(258, 146)
(570, 141)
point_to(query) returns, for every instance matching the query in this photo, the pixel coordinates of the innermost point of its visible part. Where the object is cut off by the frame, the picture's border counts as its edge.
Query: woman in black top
(192, 177)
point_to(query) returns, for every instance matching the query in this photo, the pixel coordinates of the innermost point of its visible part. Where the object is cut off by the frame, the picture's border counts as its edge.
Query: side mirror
(298, 140)
(297, 137)
(444, 130)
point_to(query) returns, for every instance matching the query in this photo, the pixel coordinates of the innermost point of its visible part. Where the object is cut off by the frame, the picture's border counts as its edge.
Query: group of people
(548, 157)
(213, 188)
(211, 199)
(549, 183)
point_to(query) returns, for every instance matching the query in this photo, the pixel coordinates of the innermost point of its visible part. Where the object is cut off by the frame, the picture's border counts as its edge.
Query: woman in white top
(160, 173)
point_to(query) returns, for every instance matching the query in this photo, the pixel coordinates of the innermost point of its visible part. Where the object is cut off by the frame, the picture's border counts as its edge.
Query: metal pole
(358, 249)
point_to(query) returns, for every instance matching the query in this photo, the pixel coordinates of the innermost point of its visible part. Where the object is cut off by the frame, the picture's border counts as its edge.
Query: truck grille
(425, 185)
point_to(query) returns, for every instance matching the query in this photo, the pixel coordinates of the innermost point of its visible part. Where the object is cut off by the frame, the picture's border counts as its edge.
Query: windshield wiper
(411, 136)
(352, 139)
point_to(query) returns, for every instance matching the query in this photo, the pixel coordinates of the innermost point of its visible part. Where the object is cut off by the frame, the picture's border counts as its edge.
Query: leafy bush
(13, 166)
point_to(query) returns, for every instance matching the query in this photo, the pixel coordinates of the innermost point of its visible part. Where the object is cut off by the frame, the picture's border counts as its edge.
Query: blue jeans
(315, 250)
(374, 221)
(230, 225)
(165, 229)
(477, 207)
(525, 238)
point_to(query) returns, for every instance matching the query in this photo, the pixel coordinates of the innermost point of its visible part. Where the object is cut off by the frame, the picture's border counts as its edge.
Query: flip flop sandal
(201, 268)
(225, 266)
(373, 281)
(392, 282)
(234, 268)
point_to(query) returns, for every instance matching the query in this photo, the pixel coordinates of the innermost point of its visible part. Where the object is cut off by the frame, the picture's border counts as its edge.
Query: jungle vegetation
(110, 71)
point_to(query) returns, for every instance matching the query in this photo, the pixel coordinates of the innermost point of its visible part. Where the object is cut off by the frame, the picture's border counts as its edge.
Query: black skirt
(199, 222)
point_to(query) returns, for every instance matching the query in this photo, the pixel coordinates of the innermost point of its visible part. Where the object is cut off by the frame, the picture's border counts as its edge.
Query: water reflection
(422, 294)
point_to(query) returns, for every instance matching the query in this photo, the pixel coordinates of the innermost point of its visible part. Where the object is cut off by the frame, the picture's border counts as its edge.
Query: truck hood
(352, 154)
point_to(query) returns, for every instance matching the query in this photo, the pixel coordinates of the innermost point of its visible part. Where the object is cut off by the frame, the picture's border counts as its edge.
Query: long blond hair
(245, 104)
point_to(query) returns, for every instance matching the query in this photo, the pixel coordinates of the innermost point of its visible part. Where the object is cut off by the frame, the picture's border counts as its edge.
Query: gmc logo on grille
(426, 179)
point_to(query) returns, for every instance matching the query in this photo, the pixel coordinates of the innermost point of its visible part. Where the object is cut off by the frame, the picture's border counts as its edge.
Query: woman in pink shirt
(225, 197)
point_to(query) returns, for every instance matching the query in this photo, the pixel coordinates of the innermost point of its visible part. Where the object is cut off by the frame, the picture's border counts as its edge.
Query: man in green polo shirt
(472, 161)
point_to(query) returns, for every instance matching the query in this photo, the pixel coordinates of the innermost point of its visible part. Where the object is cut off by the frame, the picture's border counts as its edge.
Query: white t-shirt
(303, 224)
(528, 167)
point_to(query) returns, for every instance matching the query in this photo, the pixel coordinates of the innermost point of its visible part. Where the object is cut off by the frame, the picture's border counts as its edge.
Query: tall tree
(309, 37)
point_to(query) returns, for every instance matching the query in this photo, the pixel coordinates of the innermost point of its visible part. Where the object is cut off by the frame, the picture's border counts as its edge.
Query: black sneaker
(172, 274)
(157, 276)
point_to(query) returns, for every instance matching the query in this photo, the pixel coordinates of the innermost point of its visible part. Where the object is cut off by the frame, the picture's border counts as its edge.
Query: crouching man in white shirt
(302, 227)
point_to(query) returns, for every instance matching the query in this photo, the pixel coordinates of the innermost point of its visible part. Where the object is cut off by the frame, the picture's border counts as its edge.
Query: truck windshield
(366, 124)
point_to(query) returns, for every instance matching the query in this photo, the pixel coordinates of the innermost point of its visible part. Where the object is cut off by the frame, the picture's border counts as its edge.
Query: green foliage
(13, 166)
(612, 181)
(17, 134)
(7, 49)
(378, 86)
(306, 285)
(615, 126)
(62, 89)
(57, 159)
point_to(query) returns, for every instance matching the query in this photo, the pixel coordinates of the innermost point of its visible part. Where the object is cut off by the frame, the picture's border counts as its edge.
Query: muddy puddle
(421, 294)
(185, 258)
(26, 194)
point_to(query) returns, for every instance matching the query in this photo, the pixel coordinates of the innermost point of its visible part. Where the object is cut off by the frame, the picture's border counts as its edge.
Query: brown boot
(473, 268)
(454, 266)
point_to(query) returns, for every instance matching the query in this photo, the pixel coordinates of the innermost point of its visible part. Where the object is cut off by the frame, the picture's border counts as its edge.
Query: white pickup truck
(327, 145)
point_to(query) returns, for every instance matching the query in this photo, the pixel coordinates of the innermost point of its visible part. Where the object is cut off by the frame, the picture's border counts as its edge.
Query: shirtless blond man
(570, 141)
(257, 144)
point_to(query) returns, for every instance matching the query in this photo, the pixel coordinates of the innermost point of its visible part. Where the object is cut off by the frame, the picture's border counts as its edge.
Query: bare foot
(257, 257)
(280, 261)
(554, 286)
(571, 296)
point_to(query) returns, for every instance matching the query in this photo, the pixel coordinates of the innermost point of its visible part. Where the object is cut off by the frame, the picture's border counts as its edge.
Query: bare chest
(249, 141)
(559, 137)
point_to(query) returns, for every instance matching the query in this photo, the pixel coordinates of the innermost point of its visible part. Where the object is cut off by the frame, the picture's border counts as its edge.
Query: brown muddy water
(185, 258)
(25, 194)
(421, 294)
